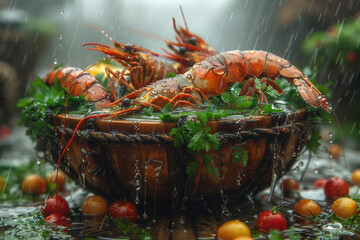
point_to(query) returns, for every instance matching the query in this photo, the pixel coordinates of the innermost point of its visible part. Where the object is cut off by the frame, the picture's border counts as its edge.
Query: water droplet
(137, 200)
(61, 37)
(137, 186)
(62, 12)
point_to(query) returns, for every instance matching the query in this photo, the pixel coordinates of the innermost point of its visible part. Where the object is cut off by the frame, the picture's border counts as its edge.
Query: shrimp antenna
(151, 35)
(101, 30)
(183, 16)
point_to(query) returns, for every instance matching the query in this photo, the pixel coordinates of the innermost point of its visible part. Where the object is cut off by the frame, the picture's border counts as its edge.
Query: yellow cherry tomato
(344, 207)
(33, 183)
(355, 177)
(94, 205)
(233, 229)
(243, 238)
(307, 207)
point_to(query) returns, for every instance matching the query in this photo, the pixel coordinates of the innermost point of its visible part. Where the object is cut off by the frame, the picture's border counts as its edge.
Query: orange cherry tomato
(94, 205)
(290, 184)
(335, 151)
(355, 177)
(344, 207)
(243, 238)
(33, 183)
(59, 179)
(233, 229)
(307, 207)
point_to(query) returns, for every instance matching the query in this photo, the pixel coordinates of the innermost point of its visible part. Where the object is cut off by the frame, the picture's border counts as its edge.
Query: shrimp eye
(126, 102)
(128, 48)
(189, 76)
(192, 40)
(182, 50)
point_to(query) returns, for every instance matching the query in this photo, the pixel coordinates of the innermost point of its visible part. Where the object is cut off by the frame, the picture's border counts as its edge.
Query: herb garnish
(265, 90)
(240, 155)
(196, 137)
(234, 99)
(128, 227)
(43, 100)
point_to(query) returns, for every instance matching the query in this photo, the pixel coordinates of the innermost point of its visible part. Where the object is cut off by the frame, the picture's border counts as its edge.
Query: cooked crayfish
(210, 78)
(79, 82)
(191, 49)
(215, 73)
(143, 66)
(178, 91)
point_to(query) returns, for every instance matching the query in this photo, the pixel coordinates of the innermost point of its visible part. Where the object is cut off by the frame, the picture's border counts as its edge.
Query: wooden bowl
(137, 158)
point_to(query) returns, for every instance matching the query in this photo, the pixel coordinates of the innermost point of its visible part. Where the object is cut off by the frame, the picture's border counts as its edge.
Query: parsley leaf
(240, 155)
(43, 100)
(196, 136)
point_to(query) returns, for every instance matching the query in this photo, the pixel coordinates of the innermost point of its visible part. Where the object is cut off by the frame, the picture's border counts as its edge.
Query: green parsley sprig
(233, 99)
(196, 136)
(240, 155)
(43, 100)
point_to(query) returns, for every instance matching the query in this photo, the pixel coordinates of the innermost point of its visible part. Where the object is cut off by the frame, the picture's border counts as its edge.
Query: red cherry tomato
(271, 220)
(2, 184)
(351, 56)
(120, 209)
(320, 182)
(336, 187)
(58, 219)
(290, 184)
(56, 204)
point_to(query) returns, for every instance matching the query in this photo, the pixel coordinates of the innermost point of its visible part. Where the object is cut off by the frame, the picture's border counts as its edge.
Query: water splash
(157, 166)
(274, 174)
(224, 209)
(137, 184)
(144, 215)
(83, 165)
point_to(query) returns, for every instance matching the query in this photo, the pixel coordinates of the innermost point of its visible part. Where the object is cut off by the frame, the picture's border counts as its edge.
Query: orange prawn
(79, 82)
(215, 73)
(191, 49)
